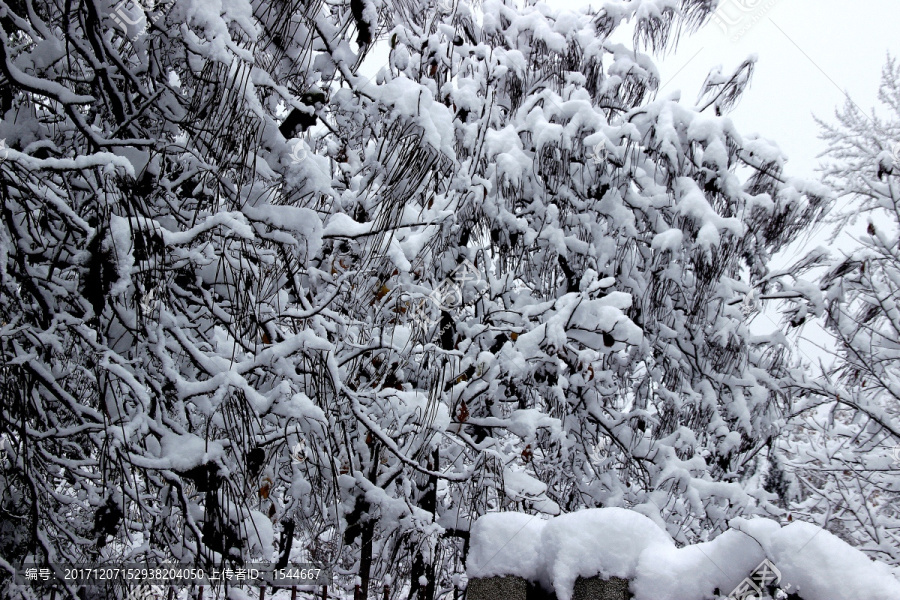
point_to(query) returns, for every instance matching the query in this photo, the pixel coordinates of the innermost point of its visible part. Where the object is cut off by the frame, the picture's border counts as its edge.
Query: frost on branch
(221, 242)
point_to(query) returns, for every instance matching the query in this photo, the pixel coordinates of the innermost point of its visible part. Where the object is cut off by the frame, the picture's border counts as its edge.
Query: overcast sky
(810, 53)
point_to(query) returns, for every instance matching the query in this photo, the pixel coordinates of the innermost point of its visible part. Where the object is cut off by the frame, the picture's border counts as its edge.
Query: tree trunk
(367, 531)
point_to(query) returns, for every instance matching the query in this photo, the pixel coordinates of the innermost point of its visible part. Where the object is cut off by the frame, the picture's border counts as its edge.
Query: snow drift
(615, 542)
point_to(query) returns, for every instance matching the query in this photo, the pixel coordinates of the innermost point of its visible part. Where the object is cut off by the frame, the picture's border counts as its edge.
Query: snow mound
(616, 542)
(597, 541)
(821, 566)
(697, 571)
(505, 544)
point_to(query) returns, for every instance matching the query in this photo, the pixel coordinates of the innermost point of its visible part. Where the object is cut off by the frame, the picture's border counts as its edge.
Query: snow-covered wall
(615, 542)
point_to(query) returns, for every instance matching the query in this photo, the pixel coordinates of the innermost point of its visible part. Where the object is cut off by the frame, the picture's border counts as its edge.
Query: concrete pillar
(497, 588)
(594, 588)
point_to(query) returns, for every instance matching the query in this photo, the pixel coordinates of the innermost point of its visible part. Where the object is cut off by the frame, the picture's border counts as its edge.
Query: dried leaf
(527, 453)
(463, 413)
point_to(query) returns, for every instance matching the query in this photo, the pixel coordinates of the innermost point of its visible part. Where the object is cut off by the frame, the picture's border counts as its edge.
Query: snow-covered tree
(845, 452)
(257, 305)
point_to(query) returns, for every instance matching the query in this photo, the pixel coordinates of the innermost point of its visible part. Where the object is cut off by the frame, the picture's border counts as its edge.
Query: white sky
(811, 55)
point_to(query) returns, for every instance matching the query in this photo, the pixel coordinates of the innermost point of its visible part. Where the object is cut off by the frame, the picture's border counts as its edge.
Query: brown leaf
(527, 453)
(463, 413)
